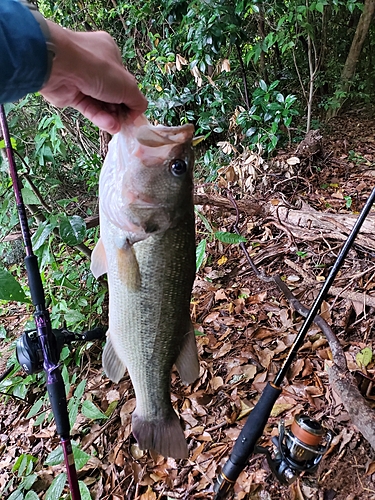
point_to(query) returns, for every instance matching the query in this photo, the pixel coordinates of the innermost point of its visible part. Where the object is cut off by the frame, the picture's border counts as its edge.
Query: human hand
(88, 75)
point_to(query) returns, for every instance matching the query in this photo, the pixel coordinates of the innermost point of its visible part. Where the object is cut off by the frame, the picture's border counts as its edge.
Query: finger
(118, 87)
(98, 115)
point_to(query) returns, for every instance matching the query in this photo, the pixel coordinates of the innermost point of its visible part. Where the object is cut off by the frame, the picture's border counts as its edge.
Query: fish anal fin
(187, 362)
(165, 436)
(112, 364)
(128, 267)
(99, 264)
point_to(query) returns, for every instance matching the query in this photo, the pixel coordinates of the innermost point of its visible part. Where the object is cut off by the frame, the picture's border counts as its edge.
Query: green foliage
(23, 473)
(10, 289)
(211, 235)
(268, 118)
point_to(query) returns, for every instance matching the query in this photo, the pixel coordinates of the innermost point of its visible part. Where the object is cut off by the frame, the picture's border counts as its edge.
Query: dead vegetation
(295, 212)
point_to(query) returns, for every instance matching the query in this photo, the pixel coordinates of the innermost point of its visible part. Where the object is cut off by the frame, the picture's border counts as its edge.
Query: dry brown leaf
(296, 368)
(126, 410)
(149, 495)
(216, 382)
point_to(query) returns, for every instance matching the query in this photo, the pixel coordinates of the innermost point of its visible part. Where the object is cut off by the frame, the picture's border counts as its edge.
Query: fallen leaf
(149, 495)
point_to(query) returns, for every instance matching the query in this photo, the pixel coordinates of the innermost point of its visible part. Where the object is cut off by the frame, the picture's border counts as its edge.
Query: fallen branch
(365, 299)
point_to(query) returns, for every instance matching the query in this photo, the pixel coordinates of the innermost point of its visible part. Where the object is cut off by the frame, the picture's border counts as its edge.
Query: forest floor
(246, 327)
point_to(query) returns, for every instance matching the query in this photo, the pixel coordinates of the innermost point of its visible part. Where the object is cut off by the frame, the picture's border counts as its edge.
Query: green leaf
(90, 410)
(364, 357)
(16, 495)
(10, 289)
(80, 457)
(56, 488)
(13, 143)
(230, 238)
(28, 481)
(29, 197)
(204, 220)
(35, 408)
(42, 233)
(56, 457)
(263, 85)
(80, 389)
(73, 316)
(72, 229)
(31, 495)
(85, 492)
(200, 254)
(3, 332)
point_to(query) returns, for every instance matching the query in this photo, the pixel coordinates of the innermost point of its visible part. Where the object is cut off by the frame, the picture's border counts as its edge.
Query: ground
(244, 329)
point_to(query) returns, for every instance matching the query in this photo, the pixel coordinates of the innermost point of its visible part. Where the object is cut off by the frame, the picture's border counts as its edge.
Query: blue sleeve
(23, 52)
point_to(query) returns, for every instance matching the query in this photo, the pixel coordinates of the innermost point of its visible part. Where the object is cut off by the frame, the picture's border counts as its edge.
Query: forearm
(23, 54)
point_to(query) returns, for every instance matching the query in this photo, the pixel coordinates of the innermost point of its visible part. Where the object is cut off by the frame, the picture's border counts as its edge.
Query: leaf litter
(244, 329)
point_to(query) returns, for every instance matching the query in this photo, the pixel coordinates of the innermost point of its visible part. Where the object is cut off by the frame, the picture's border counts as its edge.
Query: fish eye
(178, 167)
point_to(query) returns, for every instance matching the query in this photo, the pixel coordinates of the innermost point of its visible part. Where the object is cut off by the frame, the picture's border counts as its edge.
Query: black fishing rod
(304, 428)
(40, 348)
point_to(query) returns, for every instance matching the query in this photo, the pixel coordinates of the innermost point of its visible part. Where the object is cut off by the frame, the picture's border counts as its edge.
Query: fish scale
(150, 277)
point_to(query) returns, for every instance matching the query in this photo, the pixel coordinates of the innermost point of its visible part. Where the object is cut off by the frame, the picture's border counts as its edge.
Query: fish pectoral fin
(128, 267)
(112, 364)
(187, 362)
(163, 435)
(99, 264)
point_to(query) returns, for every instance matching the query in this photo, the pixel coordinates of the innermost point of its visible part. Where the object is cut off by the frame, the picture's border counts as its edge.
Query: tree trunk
(355, 51)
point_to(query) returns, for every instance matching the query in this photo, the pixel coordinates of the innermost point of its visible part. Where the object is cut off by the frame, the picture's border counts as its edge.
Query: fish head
(149, 187)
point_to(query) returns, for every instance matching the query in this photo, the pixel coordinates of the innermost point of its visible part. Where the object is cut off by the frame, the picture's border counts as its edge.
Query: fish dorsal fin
(187, 362)
(99, 264)
(112, 364)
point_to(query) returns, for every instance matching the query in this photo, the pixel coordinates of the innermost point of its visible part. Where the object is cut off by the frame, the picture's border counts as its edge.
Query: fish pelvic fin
(163, 436)
(187, 362)
(99, 264)
(112, 364)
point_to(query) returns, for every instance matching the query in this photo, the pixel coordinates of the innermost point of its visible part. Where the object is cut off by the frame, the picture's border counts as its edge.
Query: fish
(147, 249)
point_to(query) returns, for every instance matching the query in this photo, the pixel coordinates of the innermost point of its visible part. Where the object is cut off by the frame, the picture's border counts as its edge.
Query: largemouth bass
(147, 249)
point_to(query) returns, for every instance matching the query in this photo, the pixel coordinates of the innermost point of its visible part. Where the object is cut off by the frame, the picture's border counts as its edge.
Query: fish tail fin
(165, 436)
(187, 362)
(112, 364)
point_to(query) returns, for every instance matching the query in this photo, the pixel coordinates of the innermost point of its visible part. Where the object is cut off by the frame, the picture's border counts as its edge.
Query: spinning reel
(29, 350)
(298, 449)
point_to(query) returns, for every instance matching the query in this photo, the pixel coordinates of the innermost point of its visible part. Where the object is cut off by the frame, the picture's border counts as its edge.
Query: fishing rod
(40, 348)
(299, 448)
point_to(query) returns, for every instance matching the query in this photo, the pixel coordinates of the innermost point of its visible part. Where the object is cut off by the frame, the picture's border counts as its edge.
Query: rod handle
(57, 397)
(94, 334)
(251, 432)
(35, 281)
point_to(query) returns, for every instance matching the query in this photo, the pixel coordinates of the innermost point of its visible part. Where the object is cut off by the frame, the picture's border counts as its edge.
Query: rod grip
(57, 397)
(251, 432)
(35, 281)
(94, 334)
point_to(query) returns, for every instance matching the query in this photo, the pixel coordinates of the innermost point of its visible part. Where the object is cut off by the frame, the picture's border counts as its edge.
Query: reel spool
(299, 448)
